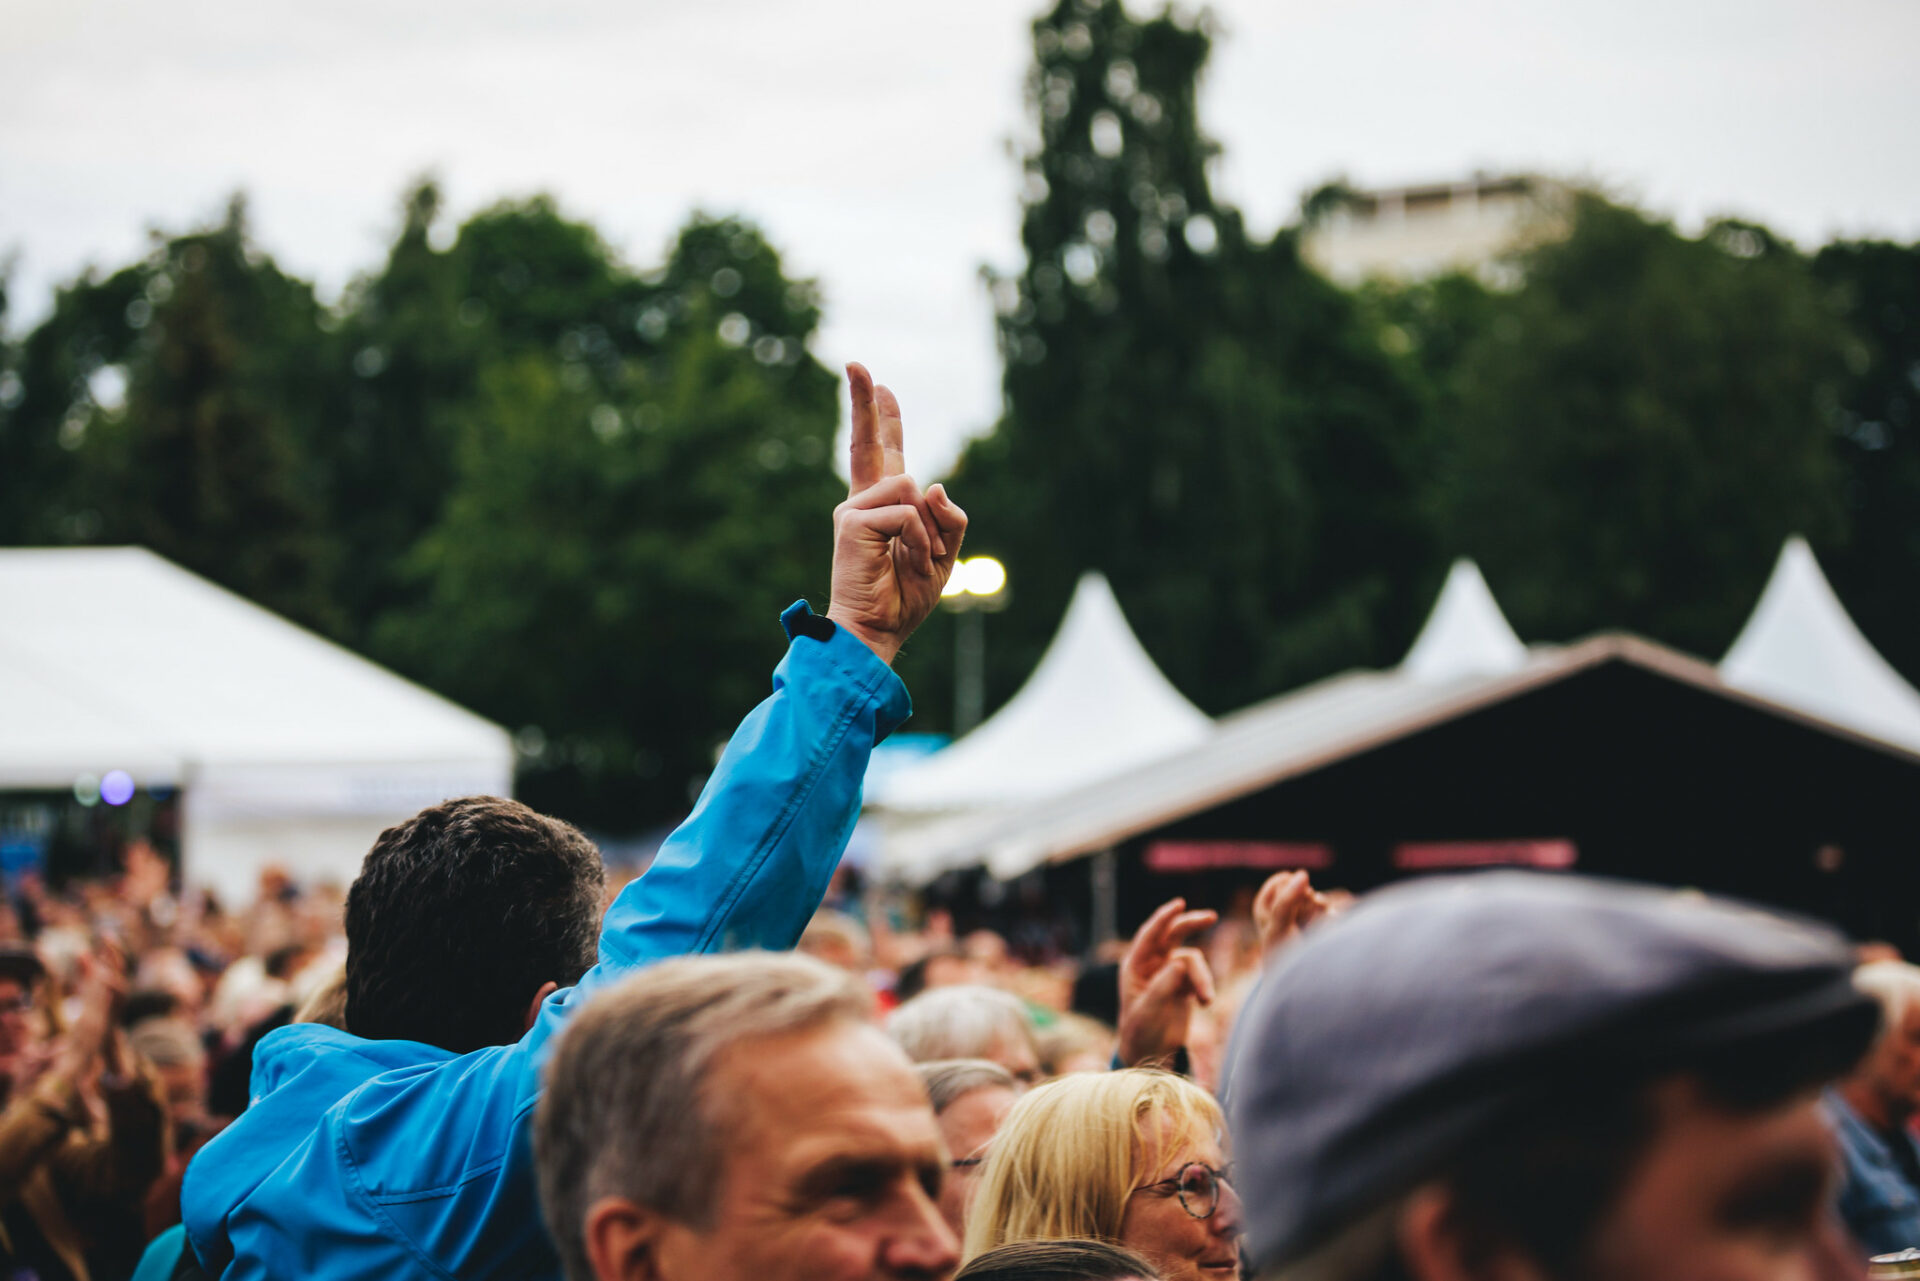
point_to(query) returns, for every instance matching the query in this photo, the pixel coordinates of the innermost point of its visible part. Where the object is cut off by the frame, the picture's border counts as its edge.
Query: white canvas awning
(113, 658)
(1800, 648)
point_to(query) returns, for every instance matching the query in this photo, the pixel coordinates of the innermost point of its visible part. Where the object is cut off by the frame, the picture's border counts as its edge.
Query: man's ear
(1436, 1245)
(621, 1239)
(547, 989)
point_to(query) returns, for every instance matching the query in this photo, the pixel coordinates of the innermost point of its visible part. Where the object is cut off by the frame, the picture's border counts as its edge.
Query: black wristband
(800, 620)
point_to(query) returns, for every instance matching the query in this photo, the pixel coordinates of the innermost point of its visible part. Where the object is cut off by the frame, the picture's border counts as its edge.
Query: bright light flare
(117, 787)
(981, 576)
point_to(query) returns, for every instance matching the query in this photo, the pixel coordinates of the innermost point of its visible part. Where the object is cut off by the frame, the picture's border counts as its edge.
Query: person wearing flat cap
(1528, 1077)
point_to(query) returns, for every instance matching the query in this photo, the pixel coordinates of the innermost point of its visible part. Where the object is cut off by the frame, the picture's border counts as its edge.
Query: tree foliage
(569, 494)
(1875, 288)
(626, 514)
(1188, 409)
(1634, 430)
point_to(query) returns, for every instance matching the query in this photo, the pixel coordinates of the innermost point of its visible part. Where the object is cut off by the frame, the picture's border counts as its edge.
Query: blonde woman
(1134, 1158)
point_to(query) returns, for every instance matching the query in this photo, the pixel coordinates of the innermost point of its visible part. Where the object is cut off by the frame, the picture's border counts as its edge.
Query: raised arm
(748, 867)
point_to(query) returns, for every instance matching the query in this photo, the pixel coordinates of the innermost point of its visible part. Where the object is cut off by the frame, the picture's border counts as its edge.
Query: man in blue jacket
(405, 1150)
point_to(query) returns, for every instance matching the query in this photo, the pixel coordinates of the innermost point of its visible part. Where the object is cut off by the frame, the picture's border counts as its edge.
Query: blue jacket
(397, 1159)
(1878, 1201)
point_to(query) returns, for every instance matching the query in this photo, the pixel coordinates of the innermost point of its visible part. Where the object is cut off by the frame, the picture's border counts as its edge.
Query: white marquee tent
(1799, 653)
(287, 749)
(1801, 649)
(1465, 649)
(1095, 706)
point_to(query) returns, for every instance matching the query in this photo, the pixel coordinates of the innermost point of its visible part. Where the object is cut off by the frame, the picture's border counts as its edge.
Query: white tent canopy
(1801, 649)
(1466, 634)
(1465, 650)
(288, 748)
(1800, 655)
(1094, 706)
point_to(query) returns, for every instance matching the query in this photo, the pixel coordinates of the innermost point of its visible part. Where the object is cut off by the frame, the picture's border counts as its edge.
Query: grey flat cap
(1383, 1041)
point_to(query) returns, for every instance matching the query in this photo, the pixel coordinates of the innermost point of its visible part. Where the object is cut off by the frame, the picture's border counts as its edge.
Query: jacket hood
(299, 1072)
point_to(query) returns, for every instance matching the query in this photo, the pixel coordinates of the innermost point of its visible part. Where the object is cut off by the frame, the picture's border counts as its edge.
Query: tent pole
(1106, 898)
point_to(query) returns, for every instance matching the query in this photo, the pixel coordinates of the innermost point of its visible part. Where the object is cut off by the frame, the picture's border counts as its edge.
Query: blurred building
(1407, 233)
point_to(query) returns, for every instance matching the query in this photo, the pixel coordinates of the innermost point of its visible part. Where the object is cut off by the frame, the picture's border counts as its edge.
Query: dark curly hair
(460, 914)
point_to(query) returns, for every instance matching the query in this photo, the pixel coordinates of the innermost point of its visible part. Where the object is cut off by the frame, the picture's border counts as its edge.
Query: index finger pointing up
(868, 463)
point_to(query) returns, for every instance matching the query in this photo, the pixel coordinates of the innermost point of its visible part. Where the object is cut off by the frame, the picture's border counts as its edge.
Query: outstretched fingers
(891, 431)
(1150, 940)
(1199, 973)
(1188, 924)
(1169, 926)
(867, 464)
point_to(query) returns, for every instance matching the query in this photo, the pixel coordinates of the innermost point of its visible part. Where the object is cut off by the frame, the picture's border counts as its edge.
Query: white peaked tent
(1094, 706)
(1466, 634)
(287, 749)
(1465, 651)
(1800, 649)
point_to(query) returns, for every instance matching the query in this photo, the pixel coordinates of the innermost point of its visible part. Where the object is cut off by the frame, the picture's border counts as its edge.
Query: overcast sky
(868, 137)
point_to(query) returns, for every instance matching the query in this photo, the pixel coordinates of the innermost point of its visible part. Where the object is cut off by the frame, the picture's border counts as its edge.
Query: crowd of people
(483, 1060)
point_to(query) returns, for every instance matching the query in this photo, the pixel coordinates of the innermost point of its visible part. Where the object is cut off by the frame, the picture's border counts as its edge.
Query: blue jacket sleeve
(750, 864)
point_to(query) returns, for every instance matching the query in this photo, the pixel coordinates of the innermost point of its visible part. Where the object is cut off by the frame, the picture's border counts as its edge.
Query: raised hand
(1162, 979)
(893, 545)
(1285, 905)
(101, 989)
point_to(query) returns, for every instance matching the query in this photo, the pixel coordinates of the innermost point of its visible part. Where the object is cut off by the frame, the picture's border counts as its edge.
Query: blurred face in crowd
(1717, 1195)
(954, 971)
(1891, 1072)
(832, 1169)
(968, 1125)
(16, 1017)
(1017, 1055)
(1166, 1226)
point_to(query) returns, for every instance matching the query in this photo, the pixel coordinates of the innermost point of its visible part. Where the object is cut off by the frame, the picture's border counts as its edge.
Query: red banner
(1430, 856)
(1200, 856)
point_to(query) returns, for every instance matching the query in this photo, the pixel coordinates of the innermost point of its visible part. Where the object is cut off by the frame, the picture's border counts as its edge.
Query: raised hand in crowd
(91, 1038)
(1285, 905)
(1162, 979)
(894, 544)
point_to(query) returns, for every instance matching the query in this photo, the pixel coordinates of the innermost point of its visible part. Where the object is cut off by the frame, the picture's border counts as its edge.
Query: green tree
(1190, 410)
(419, 337)
(1633, 431)
(50, 392)
(210, 464)
(174, 404)
(628, 512)
(1875, 287)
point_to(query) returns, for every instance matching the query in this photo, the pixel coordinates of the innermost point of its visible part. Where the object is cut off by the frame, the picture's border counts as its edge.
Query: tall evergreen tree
(1188, 409)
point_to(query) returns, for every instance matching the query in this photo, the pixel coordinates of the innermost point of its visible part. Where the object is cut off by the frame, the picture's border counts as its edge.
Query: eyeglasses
(1198, 1187)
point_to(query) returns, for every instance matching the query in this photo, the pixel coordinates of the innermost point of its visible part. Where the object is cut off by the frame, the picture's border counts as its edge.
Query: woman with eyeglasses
(1135, 1158)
